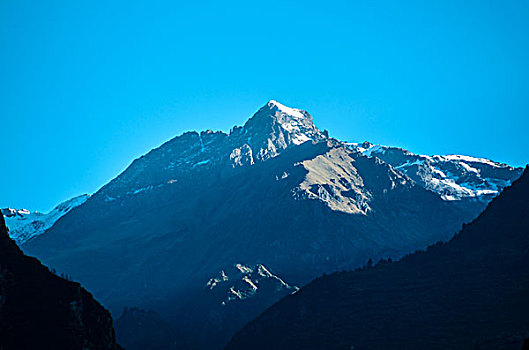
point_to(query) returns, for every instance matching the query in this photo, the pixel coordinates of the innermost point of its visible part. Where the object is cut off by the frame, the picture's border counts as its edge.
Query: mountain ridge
(453, 295)
(470, 176)
(25, 225)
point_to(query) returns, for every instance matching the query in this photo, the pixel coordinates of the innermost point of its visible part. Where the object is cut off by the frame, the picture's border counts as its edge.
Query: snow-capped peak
(273, 128)
(296, 124)
(293, 112)
(24, 225)
(452, 177)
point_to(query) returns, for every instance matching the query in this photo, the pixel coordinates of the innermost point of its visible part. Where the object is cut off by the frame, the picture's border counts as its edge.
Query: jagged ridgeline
(39, 310)
(277, 193)
(470, 293)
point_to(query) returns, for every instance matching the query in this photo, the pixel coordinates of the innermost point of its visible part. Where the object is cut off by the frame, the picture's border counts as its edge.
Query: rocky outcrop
(454, 295)
(227, 301)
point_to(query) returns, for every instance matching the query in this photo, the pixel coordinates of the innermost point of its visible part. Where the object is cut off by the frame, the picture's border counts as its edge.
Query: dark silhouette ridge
(39, 310)
(451, 296)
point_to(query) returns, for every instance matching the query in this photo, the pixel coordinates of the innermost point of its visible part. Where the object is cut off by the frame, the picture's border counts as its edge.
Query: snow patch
(294, 112)
(452, 177)
(139, 190)
(25, 225)
(202, 162)
(470, 159)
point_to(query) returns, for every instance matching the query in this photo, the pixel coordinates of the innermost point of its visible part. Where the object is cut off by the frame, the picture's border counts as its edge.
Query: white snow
(298, 125)
(436, 171)
(470, 159)
(138, 190)
(300, 138)
(367, 151)
(408, 164)
(294, 112)
(469, 168)
(25, 225)
(202, 162)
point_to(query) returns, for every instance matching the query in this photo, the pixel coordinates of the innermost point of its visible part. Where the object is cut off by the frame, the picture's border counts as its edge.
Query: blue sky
(86, 87)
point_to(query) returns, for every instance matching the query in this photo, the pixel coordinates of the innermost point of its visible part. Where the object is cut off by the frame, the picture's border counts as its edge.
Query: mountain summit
(275, 192)
(284, 125)
(272, 129)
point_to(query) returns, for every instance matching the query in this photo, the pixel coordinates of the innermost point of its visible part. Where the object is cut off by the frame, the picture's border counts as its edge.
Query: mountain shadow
(452, 296)
(39, 310)
(139, 329)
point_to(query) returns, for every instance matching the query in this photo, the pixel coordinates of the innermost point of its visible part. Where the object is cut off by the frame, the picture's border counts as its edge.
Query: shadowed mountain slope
(145, 330)
(451, 296)
(39, 310)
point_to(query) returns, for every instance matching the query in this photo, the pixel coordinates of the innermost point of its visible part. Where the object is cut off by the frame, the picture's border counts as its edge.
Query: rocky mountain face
(468, 182)
(237, 293)
(244, 282)
(24, 225)
(39, 310)
(277, 192)
(468, 293)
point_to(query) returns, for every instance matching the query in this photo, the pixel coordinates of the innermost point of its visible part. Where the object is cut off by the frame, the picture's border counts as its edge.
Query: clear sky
(86, 87)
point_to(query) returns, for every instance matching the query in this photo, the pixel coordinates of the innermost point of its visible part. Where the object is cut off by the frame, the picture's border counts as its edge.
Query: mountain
(468, 293)
(243, 283)
(277, 192)
(239, 293)
(468, 182)
(39, 310)
(24, 225)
